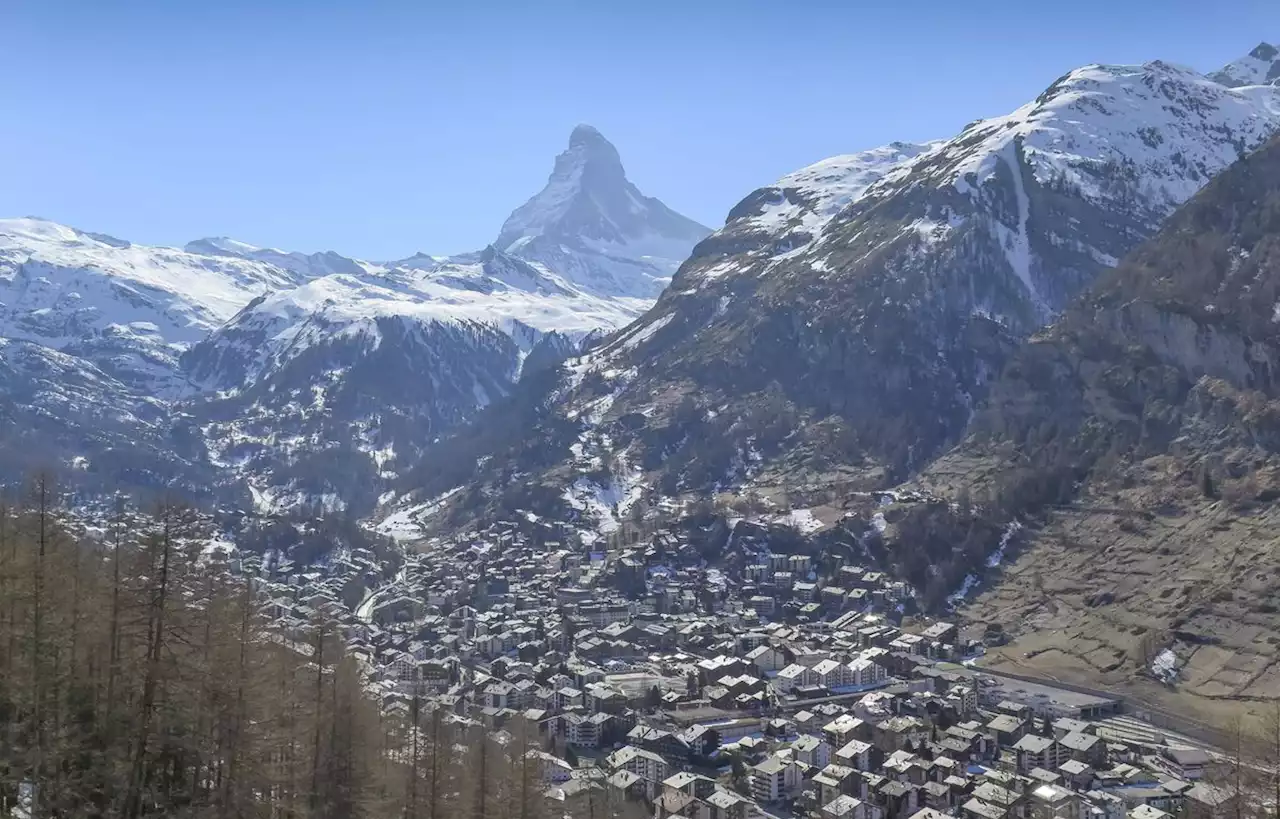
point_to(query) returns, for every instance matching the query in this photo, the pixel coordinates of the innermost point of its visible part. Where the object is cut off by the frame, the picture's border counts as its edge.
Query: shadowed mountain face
(1141, 434)
(847, 321)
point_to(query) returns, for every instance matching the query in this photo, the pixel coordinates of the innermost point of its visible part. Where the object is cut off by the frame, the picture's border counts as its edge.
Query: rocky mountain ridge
(1259, 67)
(844, 325)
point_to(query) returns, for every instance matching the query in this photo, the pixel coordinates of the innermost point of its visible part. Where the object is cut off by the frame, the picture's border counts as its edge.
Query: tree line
(140, 677)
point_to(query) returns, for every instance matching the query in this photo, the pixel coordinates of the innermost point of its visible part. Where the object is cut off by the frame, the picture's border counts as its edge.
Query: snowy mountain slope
(1005, 222)
(593, 227)
(1133, 140)
(335, 418)
(589, 222)
(305, 265)
(130, 310)
(1164, 129)
(189, 294)
(800, 203)
(1259, 67)
(854, 348)
(59, 409)
(505, 293)
(376, 367)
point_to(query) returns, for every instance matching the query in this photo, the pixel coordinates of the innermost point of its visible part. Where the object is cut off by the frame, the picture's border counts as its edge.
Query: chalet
(834, 780)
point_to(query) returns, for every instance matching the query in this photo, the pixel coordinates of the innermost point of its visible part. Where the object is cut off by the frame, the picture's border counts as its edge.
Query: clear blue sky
(382, 128)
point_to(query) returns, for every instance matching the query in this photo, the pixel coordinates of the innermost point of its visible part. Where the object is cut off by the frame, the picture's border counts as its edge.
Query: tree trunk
(150, 686)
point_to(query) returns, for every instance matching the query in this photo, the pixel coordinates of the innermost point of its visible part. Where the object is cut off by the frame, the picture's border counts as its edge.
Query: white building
(791, 677)
(774, 778)
(831, 673)
(811, 750)
(865, 672)
(767, 658)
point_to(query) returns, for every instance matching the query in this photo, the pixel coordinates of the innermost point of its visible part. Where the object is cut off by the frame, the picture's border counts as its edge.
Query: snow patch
(407, 524)
(1165, 666)
(961, 594)
(643, 333)
(997, 557)
(604, 507)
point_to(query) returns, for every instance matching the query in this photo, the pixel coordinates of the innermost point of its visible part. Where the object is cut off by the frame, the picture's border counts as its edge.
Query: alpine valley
(1026, 369)
(930, 357)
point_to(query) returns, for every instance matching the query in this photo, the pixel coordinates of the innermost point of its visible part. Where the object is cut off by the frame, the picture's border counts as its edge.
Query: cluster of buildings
(772, 684)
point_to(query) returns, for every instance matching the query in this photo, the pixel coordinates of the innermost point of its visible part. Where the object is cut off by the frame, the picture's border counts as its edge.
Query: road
(364, 611)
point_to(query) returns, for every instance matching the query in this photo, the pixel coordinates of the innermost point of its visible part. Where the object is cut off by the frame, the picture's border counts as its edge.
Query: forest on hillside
(139, 677)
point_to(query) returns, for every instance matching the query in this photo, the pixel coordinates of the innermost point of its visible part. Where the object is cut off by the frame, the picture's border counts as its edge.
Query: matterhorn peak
(593, 226)
(589, 137)
(590, 161)
(1259, 67)
(1265, 51)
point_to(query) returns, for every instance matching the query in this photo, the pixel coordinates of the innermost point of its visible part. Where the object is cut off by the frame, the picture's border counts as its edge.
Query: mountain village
(661, 685)
(896, 323)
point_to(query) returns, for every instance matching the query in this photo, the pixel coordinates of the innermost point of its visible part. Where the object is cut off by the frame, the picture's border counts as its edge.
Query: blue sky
(381, 128)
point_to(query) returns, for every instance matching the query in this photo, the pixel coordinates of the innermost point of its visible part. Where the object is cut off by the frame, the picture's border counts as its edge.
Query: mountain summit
(845, 324)
(593, 226)
(1259, 67)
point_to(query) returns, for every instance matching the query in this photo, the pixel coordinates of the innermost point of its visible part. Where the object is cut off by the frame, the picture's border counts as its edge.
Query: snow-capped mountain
(301, 376)
(1259, 67)
(596, 229)
(518, 299)
(800, 203)
(371, 367)
(129, 310)
(846, 321)
(380, 365)
(307, 265)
